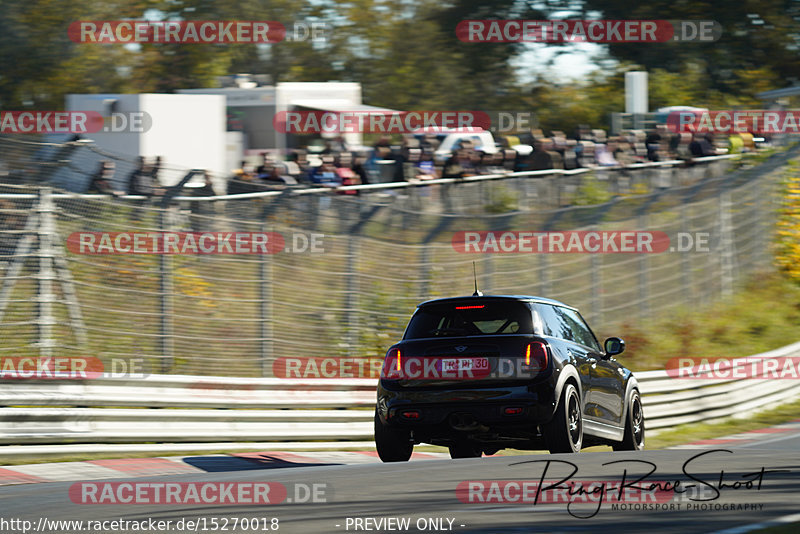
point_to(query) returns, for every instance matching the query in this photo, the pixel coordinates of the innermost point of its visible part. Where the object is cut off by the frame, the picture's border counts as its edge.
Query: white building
(187, 131)
(253, 109)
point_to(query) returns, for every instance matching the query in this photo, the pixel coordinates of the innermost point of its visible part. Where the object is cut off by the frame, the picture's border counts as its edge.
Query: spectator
(684, 144)
(346, 175)
(476, 160)
(605, 156)
(155, 169)
(653, 144)
(242, 181)
(621, 150)
(139, 184)
(429, 142)
(674, 143)
(337, 144)
(585, 151)
(459, 165)
(101, 180)
(425, 169)
(702, 145)
(139, 179)
(304, 165)
(493, 163)
(325, 175)
(267, 172)
(558, 160)
(382, 149)
(208, 188)
(293, 168)
(570, 155)
(540, 159)
(265, 167)
(202, 210)
(360, 170)
(276, 175)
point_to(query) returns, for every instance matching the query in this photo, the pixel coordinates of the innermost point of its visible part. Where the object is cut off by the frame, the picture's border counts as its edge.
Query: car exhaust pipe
(463, 421)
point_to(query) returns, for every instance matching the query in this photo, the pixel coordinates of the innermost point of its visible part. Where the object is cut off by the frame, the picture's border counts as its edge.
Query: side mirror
(614, 346)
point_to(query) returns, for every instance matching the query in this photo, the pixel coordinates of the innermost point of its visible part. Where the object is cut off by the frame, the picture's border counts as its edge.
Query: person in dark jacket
(139, 180)
(101, 180)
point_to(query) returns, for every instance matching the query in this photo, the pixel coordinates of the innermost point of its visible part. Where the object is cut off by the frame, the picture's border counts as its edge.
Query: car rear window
(470, 319)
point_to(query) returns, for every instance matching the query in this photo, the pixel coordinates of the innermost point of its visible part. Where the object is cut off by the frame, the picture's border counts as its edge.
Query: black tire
(633, 440)
(564, 433)
(392, 444)
(465, 449)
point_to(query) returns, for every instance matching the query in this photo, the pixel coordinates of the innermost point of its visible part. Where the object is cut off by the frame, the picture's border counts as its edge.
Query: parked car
(483, 373)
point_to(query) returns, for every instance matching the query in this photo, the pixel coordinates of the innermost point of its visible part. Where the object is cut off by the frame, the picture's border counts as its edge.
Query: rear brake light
(536, 354)
(469, 307)
(411, 414)
(513, 411)
(391, 363)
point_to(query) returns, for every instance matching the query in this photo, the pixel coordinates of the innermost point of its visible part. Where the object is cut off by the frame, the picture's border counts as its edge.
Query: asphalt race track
(426, 490)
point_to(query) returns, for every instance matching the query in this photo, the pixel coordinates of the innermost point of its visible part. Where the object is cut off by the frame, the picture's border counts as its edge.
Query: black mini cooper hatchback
(483, 373)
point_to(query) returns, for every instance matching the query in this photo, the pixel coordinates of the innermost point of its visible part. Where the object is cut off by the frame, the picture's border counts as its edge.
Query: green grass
(763, 315)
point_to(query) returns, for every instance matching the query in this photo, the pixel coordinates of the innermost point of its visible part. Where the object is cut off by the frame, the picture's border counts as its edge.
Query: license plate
(464, 364)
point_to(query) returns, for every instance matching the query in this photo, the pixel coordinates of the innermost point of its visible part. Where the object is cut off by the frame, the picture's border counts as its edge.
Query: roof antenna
(475, 276)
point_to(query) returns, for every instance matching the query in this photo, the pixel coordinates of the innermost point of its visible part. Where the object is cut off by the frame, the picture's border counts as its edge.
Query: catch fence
(383, 251)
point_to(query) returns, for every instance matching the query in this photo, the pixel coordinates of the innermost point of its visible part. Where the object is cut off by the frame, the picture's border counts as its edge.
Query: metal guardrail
(199, 409)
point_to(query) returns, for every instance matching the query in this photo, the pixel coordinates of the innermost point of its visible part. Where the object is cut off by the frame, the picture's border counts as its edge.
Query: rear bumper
(447, 412)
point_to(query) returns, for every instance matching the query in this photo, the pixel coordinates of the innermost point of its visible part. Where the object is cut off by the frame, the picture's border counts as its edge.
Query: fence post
(266, 277)
(351, 294)
(644, 303)
(594, 274)
(726, 256)
(424, 271)
(686, 268)
(764, 193)
(45, 297)
(166, 291)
